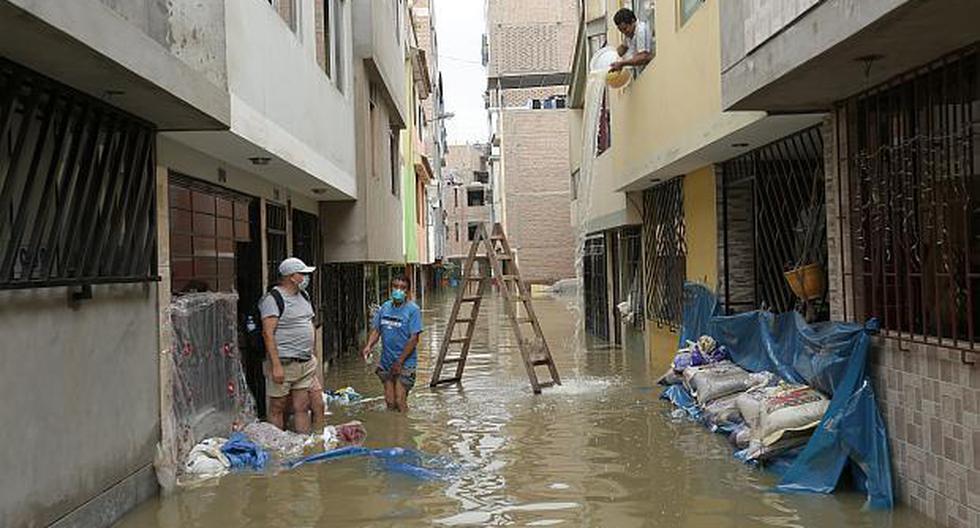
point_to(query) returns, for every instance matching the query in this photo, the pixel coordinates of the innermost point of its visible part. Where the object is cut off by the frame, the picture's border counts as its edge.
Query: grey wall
(369, 229)
(80, 395)
(191, 30)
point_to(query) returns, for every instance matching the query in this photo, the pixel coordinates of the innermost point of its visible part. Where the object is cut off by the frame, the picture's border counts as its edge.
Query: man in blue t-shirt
(398, 324)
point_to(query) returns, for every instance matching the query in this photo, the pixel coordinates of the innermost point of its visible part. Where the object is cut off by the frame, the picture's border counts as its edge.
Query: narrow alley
(601, 450)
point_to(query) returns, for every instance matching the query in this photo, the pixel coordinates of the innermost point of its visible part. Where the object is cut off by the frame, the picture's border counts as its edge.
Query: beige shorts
(299, 375)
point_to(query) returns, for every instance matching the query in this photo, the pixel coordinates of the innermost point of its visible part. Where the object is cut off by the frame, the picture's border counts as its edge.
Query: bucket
(618, 79)
(600, 63)
(807, 282)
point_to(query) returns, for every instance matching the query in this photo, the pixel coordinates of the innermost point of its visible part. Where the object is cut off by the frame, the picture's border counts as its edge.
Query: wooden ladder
(534, 347)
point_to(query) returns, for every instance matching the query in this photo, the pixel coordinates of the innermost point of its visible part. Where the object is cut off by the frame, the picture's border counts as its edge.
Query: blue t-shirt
(397, 324)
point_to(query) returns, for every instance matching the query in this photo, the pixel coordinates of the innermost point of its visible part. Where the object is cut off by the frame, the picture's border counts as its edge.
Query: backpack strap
(280, 302)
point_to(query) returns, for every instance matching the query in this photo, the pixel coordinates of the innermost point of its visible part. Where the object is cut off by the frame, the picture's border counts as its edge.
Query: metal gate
(665, 252)
(773, 219)
(595, 290)
(344, 306)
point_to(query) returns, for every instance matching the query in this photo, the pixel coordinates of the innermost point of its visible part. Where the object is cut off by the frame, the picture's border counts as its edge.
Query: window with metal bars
(772, 219)
(305, 235)
(631, 242)
(914, 193)
(77, 187)
(275, 239)
(595, 287)
(665, 252)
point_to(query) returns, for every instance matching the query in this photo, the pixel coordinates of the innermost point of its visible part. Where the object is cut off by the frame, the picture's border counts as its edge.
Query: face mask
(398, 296)
(305, 282)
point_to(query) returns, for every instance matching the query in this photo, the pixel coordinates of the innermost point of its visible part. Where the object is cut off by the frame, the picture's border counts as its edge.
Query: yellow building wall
(701, 226)
(678, 95)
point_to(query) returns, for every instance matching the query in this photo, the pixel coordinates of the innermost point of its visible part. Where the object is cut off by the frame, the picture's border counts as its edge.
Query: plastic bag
(242, 453)
(206, 460)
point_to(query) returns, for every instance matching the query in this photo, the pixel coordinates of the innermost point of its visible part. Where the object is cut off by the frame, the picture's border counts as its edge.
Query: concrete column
(166, 458)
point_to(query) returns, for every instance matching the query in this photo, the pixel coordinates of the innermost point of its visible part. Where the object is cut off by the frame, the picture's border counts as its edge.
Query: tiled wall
(929, 398)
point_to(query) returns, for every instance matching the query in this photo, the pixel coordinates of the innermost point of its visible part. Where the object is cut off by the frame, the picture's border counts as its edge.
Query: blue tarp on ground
(831, 357)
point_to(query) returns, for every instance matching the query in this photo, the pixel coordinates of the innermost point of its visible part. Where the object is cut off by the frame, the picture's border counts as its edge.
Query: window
(456, 226)
(665, 256)
(77, 187)
(475, 198)
(456, 197)
(395, 162)
(481, 177)
(329, 29)
(471, 230)
(574, 184)
(687, 8)
(914, 189)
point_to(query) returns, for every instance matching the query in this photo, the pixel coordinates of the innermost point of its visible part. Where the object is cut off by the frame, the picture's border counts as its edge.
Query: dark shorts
(406, 377)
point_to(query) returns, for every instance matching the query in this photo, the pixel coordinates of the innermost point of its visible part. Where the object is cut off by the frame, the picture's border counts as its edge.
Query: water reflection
(601, 450)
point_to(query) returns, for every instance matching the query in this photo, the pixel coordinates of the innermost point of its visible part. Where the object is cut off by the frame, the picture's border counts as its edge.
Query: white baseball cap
(294, 265)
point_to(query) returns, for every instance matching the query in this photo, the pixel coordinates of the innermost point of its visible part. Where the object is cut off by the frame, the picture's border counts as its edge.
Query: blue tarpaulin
(393, 460)
(243, 453)
(831, 357)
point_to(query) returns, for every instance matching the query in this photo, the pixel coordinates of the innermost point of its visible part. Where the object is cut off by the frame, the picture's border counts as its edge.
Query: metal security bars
(631, 242)
(914, 194)
(773, 218)
(77, 189)
(595, 287)
(344, 308)
(665, 252)
(275, 238)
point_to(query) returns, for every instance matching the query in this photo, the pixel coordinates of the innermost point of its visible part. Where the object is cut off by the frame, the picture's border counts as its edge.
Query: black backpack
(253, 322)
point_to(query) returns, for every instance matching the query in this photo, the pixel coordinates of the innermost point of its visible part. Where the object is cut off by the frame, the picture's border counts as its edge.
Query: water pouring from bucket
(600, 63)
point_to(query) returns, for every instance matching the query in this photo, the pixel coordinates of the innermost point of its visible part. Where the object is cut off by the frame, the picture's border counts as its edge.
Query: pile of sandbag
(763, 415)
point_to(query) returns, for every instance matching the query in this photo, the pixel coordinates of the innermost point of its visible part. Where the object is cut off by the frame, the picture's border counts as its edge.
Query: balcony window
(471, 230)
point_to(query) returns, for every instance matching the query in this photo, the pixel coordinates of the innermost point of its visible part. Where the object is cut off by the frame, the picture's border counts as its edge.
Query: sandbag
(796, 409)
(758, 451)
(271, 438)
(671, 377)
(750, 402)
(723, 412)
(713, 381)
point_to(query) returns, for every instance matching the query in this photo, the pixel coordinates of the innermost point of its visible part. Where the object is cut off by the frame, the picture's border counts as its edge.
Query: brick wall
(534, 148)
(531, 36)
(462, 160)
(929, 398)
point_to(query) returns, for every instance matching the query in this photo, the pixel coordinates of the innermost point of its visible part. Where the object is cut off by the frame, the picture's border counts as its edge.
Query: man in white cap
(288, 334)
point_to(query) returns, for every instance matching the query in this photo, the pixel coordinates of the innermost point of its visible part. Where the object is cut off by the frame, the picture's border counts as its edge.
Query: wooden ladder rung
(452, 360)
(510, 277)
(471, 299)
(445, 381)
(459, 340)
(537, 362)
(505, 257)
(464, 319)
(546, 384)
(522, 320)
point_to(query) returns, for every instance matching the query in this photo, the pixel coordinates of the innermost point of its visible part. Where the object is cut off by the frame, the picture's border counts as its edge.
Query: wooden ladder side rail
(511, 311)
(451, 327)
(532, 318)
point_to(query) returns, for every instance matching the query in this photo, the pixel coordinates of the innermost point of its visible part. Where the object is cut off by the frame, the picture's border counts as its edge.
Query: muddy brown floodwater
(601, 450)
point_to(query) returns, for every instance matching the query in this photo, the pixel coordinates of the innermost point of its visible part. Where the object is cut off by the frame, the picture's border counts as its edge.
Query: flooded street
(601, 450)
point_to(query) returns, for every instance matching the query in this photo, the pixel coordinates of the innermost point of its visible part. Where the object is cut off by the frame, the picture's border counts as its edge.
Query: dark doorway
(596, 292)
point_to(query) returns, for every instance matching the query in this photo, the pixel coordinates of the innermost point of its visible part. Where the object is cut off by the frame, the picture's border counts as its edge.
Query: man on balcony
(637, 48)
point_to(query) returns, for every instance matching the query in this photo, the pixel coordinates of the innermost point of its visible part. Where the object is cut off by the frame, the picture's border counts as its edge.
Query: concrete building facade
(528, 57)
(890, 97)
(168, 150)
